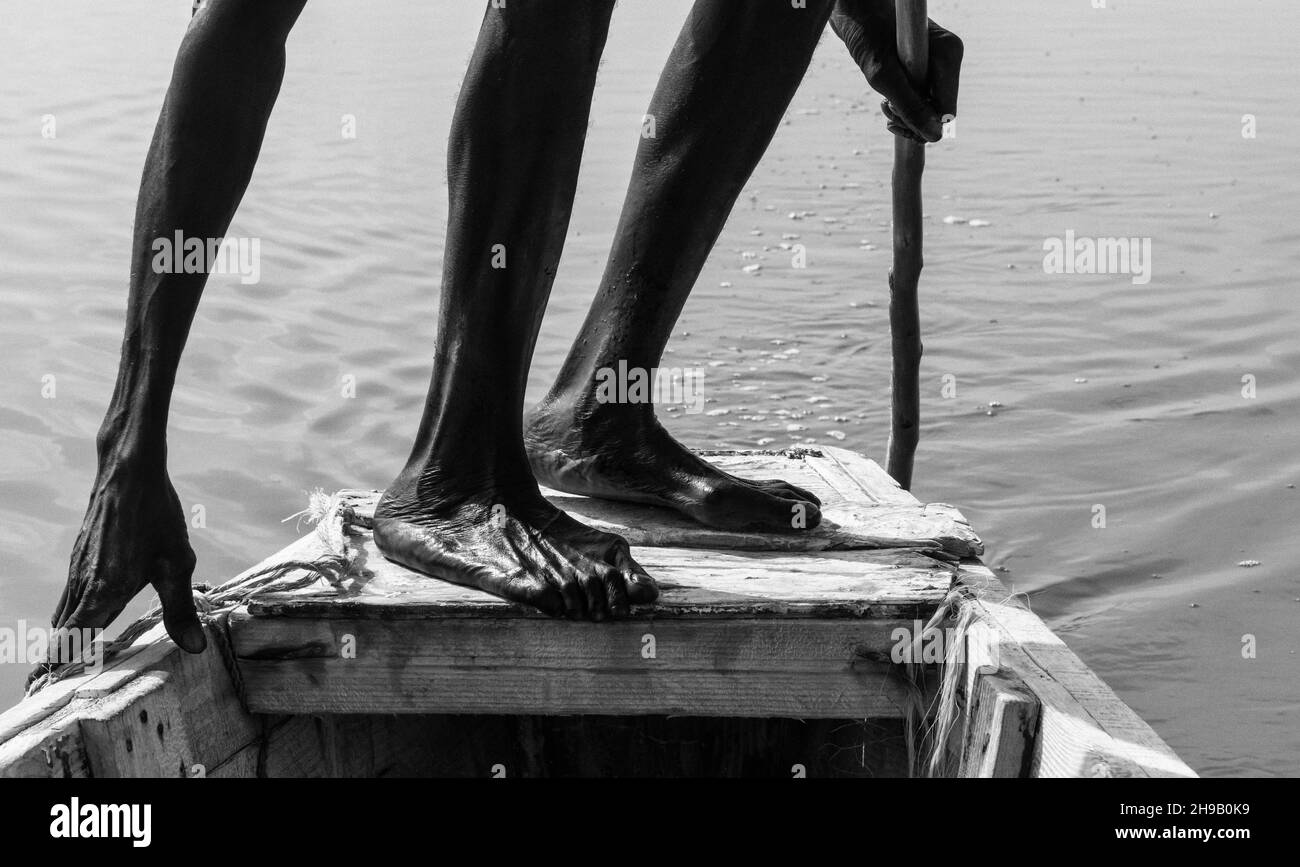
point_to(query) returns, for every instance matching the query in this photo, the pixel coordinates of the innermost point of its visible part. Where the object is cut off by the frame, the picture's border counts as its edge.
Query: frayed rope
(928, 729)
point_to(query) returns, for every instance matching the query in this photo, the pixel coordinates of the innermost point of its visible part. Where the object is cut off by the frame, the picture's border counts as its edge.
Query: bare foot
(509, 541)
(621, 452)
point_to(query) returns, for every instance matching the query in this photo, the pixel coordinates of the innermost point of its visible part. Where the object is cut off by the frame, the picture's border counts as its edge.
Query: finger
(67, 602)
(177, 599)
(74, 588)
(95, 609)
(946, 52)
(891, 81)
(895, 124)
(94, 603)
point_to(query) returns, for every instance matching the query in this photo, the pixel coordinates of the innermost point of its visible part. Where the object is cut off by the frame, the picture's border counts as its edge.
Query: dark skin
(475, 516)
(713, 126)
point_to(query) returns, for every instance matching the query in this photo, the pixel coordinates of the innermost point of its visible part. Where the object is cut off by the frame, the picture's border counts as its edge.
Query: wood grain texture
(1084, 729)
(1000, 730)
(778, 636)
(51, 749)
(138, 731)
(867, 691)
(739, 631)
(719, 585)
(862, 508)
(41, 734)
(764, 668)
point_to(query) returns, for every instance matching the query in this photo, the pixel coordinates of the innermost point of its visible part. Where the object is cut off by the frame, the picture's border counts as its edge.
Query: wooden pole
(904, 313)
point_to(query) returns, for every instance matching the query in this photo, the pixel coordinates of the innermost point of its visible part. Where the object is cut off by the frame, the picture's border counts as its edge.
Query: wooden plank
(288, 747)
(138, 731)
(45, 724)
(862, 508)
(1084, 729)
(240, 766)
(217, 726)
(726, 645)
(296, 748)
(522, 666)
(854, 476)
(333, 687)
(868, 497)
(53, 749)
(785, 634)
(414, 746)
(737, 632)
(723, 585)
(1000, 728)
(32, 710)
(148, 652)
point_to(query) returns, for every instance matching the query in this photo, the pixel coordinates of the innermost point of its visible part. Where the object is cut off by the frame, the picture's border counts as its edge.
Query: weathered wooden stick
(904, 313)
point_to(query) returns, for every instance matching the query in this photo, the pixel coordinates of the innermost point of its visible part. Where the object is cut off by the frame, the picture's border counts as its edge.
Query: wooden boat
(874, 645)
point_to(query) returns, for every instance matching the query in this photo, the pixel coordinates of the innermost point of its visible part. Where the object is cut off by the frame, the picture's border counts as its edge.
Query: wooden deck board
(693, 584)
(1084, 729)
(747, 624)
(781, 627)
(862, 508)
(736, 668)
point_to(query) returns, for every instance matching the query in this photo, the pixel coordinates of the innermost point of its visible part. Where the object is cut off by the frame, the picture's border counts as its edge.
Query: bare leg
(466, 507)
(224, 84)
(730, 78)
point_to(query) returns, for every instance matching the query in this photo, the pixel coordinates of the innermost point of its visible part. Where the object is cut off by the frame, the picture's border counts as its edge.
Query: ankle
(450, 484)
(589, 410)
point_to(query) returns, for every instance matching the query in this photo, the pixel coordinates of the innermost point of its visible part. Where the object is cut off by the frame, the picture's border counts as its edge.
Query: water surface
(1125, 121)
